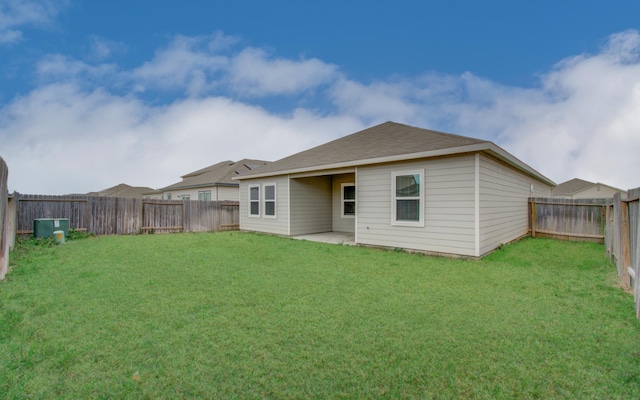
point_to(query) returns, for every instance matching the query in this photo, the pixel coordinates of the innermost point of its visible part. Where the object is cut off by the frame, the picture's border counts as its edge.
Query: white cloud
(15, 14)
(58, 67)
(184, 64)
(203, 64)
(583, 121)
(73, 134)
(61, 139)
(254, 73)
(102, 48)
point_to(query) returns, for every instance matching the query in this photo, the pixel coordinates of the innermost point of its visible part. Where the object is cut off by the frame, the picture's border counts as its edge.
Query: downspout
(288, 205)
(355, 228)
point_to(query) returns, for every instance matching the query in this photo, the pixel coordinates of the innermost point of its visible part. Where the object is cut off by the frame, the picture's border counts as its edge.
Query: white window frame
(185, 197)
(343, 200)
(395, 198)
(254, 201)
(203, 193)
(274, 200)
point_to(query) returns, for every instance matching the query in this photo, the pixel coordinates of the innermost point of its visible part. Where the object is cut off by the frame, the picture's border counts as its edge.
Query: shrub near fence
(123, 216)
(4, 220)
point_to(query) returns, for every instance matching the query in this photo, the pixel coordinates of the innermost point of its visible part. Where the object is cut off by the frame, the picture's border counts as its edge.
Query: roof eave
(488, 147)
(201, 185)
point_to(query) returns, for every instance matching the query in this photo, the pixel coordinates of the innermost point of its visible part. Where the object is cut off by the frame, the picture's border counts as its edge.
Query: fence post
(636, 261)
(12, 219)
(623, 259)
(533, 217)
(608, 230)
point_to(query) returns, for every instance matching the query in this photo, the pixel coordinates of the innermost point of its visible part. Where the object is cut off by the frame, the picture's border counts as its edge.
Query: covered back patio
(323, 204)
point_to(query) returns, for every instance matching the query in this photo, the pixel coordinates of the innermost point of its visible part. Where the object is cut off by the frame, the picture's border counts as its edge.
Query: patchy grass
(238, 315)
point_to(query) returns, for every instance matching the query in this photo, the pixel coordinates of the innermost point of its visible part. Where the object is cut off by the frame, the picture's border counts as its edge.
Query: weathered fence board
(634, 241)
(4, 219)
(31, 207)
(163, 216)
(575, 219)
(624, 246)
(123, 216)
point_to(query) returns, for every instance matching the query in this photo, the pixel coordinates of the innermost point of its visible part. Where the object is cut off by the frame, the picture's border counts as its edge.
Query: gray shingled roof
(571, 186)
(219, 174)
(384, 140)
(123, 190)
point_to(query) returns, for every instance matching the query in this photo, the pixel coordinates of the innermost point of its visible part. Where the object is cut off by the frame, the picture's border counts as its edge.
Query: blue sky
(97, 93)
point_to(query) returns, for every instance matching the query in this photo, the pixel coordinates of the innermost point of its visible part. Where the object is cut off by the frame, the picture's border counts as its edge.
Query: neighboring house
(397, 186)
(213, 183)
(124, 190)
(580, 189)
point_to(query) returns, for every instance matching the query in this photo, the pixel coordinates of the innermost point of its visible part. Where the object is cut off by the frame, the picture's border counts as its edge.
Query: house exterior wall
(278, 225)
(310, 205)
(472, 203)
(503, 195)
(341, 223)
(218, 193)
(449, 204)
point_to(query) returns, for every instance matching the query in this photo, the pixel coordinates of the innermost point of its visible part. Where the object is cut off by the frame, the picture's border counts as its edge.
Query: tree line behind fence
(123, 216)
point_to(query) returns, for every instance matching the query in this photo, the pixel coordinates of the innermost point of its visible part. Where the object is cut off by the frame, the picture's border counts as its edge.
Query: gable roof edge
(486, 146)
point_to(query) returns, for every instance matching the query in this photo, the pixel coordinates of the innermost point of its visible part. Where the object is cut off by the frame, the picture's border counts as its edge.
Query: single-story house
(397, 186)
(213, 183)
(581, 189)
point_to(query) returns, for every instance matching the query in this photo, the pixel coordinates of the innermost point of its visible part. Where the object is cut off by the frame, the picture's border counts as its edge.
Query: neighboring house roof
(123, 190)
(575, 185)
(387, 142)
(219, 174)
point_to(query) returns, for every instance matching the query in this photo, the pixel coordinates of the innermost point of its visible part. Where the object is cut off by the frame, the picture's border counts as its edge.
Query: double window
(408, 199)
(204, 195)
(262, 200)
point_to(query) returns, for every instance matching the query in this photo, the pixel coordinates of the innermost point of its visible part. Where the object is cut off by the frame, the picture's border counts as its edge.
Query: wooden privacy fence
(123, 216)
(614, 222)
(4, 220)
(569, 219)
(623, 240)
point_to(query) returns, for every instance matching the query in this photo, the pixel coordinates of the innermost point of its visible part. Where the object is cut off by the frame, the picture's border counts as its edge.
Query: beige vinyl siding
(278, 225)
(449, 190)
(311, 208)
(340, 223)
(225, 193)
(218, 193)
(504, 211)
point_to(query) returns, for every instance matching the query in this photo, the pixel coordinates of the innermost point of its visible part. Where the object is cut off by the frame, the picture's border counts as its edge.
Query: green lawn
(240, 315)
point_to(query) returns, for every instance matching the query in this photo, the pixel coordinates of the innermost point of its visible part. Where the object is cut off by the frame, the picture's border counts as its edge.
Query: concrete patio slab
(330, 237)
